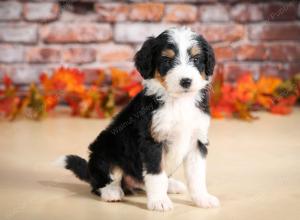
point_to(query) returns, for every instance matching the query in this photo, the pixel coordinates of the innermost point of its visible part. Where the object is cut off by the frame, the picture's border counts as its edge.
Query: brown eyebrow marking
(203, 75)
(195, 50)
(168, 53)
(160, 78)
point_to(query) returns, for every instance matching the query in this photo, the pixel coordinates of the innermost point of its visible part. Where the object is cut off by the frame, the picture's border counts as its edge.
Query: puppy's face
(178, 59)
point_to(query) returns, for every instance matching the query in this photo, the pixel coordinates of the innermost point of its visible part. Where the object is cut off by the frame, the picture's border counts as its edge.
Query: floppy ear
(209, 57)
(144, 59)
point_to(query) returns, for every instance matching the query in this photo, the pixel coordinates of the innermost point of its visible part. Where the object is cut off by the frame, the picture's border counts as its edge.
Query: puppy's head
(178, 61)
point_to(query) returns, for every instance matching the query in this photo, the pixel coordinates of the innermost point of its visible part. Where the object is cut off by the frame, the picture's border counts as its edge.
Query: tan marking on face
(168, 53)
(203, 75)
(195, 50)
(160, 79)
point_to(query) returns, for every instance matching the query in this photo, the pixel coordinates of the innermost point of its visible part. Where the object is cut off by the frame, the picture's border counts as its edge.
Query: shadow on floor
(81, 190)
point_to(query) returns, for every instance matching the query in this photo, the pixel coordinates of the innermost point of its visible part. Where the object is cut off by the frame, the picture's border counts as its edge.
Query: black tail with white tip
(77, 165)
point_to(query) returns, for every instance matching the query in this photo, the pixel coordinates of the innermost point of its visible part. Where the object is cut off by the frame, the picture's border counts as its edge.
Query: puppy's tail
(76, 164)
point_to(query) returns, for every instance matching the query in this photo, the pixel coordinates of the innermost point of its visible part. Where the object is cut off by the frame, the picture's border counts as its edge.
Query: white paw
(175, 186)
(160, 204)
(112, 193)
(207, 201)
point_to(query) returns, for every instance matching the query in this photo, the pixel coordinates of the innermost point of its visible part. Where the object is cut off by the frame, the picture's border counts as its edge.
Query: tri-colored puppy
(163, 127)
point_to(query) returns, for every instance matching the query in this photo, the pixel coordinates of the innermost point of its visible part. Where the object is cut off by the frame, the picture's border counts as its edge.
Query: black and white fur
(163, 127)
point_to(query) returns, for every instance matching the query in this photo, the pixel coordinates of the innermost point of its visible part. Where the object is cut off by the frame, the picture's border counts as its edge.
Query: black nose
(185, 82)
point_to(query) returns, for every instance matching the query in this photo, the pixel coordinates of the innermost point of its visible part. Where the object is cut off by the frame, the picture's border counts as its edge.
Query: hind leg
(105, 182)
(113, 192)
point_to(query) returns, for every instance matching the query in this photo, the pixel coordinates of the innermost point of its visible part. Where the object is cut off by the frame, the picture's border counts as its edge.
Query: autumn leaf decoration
(111, 87)
(268, 93)
(10, 103)
(67, 86)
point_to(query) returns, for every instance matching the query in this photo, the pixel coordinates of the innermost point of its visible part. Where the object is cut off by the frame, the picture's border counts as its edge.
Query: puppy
(163, 127)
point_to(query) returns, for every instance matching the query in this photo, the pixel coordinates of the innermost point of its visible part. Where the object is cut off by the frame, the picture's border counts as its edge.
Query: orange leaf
(134, 90)
(268, 84)
(265, 101)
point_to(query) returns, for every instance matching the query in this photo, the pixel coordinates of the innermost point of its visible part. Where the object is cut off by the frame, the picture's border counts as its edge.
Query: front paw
(160, 204)
(206, 201)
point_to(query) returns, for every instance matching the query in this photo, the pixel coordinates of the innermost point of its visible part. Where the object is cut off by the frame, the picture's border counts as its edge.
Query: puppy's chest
(178, 124)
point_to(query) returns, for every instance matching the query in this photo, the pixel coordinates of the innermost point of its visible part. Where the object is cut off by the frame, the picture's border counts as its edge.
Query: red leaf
(281, 109)
(7, 81)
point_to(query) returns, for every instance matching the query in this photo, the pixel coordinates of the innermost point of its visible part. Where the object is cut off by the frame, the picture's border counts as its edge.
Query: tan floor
(253, 168)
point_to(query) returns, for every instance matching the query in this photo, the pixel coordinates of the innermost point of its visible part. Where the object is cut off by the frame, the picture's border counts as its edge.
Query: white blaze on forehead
(184, 39)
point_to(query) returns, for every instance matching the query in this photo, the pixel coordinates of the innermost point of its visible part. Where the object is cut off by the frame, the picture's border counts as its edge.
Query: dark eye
(196, 59)
(167, 60)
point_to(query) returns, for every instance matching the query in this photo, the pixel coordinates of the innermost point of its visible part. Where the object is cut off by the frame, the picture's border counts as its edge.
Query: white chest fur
(179, 124)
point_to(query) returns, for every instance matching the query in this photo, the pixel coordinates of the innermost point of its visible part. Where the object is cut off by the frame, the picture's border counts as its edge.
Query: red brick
(180, 13)
(232, 70)
(286, 70)
(223, 53)
(274, 31)
(115, 52)
(18, 33)
(42, 55)
(23, 74)
(220, 32)
(146, 11)
(251, 52)
(280, 11)
(10, 10)
(212, 13)
(137, 32)
(76, 32)
(11, 53)
(290, 69)
(41, 11)
(271, 69)
(284, 52)
(70, 16)
(79, 55)
(112, 12)
(247, 12)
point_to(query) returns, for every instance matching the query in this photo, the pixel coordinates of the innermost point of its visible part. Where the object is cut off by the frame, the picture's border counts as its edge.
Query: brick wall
(39, 35)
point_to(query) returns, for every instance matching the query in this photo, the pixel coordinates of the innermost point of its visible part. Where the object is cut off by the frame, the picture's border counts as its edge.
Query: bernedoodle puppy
(163, 127)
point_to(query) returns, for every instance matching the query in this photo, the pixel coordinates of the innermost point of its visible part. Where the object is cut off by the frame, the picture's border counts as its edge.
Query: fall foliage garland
(66, 85)
(268, 93)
